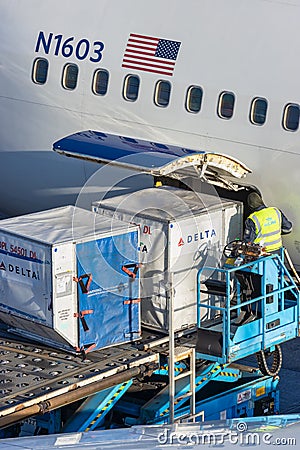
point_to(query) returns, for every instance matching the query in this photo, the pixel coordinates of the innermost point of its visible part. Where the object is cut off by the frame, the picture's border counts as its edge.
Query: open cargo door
(153, 158)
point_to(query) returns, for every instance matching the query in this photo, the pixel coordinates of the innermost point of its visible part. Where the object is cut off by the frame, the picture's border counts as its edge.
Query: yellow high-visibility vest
(268, 228)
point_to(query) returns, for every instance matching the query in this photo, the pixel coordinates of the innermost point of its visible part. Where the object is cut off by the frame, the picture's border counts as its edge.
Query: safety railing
(225, 302)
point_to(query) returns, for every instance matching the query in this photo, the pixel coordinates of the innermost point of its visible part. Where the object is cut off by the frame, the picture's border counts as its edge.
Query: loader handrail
(272, 307)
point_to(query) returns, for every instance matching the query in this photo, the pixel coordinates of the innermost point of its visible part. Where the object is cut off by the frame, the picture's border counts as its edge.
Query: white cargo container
(180, 231)
(62, 278)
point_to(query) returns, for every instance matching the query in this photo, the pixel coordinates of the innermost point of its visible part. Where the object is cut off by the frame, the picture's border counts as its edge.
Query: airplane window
(162, 93)
(258, 111)
(131, 88)
(100, 82)
(290, 120)
(193, 99)
(40, 70)
(226, 105)
(70, 76)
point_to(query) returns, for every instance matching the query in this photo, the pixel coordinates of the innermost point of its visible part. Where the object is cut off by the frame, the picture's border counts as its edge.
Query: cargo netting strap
(85, 349)
(81, 315)
(84, 287)
(131, 273)
(132, 301)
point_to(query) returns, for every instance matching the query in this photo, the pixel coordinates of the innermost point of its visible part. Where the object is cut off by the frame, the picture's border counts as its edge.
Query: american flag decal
(150, 54)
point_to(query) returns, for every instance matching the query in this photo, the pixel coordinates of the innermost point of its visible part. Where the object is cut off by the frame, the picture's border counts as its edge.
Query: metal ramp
(35, 379)
(263, 290)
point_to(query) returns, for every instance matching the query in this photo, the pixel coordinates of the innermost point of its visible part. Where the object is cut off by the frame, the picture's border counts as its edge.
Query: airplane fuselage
(246, 49)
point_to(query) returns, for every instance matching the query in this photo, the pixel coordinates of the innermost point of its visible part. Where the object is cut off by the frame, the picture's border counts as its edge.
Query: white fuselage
(248, 48)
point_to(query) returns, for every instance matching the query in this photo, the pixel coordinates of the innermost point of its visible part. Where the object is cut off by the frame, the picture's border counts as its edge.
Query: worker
(265, 225)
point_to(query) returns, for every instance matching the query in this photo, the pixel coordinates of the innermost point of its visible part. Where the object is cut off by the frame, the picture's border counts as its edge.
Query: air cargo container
(65, 278)
(180, 232)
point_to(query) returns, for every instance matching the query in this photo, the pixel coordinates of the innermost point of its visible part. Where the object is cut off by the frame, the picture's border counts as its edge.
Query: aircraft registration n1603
(68, 46)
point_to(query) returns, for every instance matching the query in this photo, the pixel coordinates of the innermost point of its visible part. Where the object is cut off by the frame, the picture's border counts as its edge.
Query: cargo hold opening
(239, 195)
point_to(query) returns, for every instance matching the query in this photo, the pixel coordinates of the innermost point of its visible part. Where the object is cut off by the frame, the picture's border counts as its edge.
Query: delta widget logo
(202, 235)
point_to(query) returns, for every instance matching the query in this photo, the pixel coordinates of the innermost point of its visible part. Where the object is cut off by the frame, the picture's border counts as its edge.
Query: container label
(25, 277)
(18, 270)
(199, 236)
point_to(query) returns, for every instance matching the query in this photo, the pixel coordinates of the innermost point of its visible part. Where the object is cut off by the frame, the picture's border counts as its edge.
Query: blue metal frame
(231, 399)
(156, 410)
(227, 402)
(254, 336)
(94, 409)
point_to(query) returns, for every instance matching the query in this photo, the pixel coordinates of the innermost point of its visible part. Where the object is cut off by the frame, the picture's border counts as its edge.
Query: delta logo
(29, 273)
(202, 235)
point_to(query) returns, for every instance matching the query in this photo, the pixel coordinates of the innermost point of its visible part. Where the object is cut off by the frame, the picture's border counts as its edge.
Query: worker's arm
(286, 225)
(249, 232)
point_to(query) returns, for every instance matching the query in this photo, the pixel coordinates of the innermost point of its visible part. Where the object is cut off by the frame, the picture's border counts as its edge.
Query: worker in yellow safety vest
(265, 225)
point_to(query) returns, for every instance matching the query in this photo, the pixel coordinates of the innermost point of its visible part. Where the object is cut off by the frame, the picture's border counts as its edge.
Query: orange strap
(84, 351)
(131, 274)
(132, 302)
(81, 315)
(84, 287)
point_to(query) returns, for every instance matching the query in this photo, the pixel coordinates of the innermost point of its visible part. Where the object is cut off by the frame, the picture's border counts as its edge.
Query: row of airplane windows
(162, 94)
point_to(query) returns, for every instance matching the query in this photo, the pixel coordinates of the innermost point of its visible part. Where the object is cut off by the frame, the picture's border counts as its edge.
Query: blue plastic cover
(110, 309)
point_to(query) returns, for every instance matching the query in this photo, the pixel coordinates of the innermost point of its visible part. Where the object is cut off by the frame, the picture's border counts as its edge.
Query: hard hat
(254, 200)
